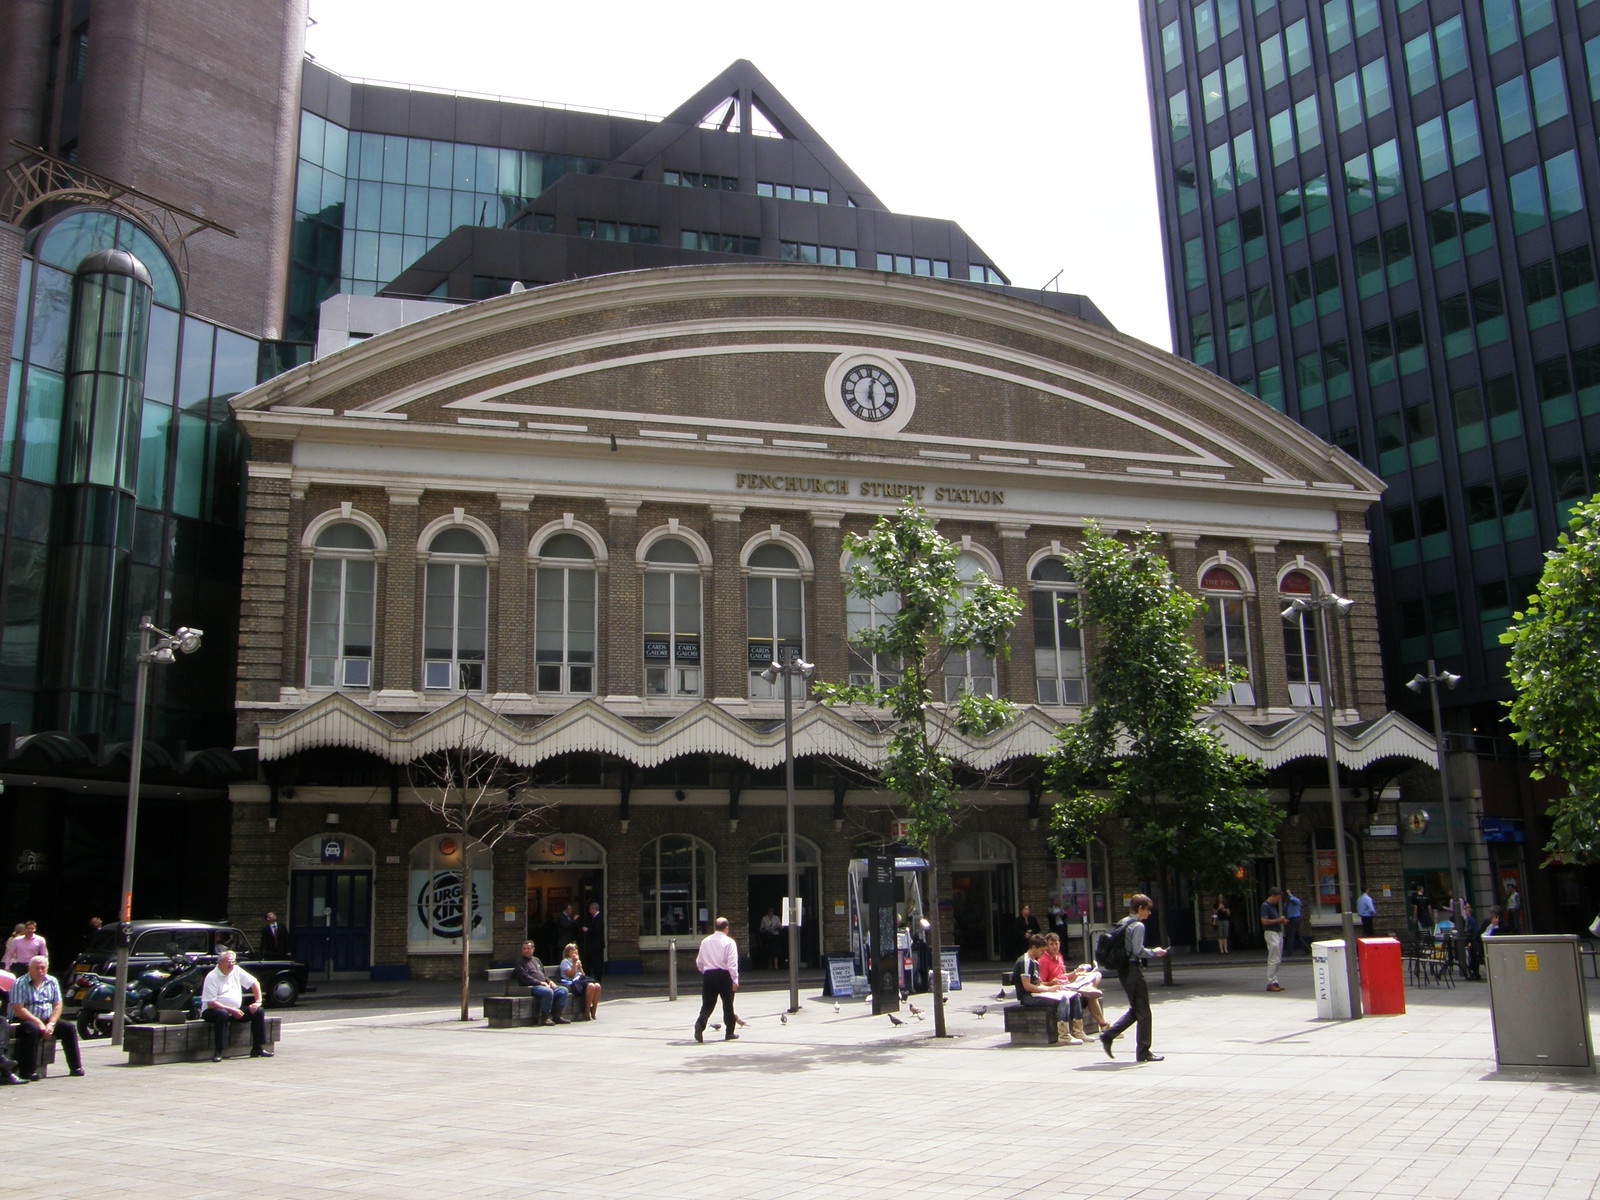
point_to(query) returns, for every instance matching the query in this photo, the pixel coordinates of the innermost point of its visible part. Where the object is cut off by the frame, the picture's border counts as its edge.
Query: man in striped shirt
(36, 1005)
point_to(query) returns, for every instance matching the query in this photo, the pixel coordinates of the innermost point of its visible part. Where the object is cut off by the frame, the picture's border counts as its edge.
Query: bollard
(672, 969)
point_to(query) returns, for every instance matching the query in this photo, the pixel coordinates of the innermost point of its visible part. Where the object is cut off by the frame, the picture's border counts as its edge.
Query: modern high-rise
(1379, 218)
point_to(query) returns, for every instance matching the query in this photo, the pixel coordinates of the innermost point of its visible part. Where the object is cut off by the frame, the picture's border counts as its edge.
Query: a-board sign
(951, 969)
(841, 975)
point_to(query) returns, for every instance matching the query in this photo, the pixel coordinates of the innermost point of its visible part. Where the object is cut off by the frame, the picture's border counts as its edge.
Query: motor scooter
(95, 996)
(181, 992)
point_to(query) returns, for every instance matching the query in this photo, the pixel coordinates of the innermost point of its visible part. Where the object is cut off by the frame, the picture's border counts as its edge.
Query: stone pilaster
(723, 654)
(1271, 674)
(624, 667)
(1016, 679)
(826, 639)
(512, 634)
(264, 592)
(402, 620)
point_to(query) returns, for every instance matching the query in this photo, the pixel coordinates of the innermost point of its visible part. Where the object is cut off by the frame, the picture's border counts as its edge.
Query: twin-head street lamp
(795, 668)
(155, 646)
(1323, 604)
(1431, 681)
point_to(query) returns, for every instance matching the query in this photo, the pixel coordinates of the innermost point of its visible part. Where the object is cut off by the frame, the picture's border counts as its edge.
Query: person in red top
(1054, 972)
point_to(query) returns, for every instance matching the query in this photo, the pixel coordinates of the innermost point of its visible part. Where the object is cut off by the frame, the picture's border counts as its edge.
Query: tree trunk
(935, 943)
(466, 912)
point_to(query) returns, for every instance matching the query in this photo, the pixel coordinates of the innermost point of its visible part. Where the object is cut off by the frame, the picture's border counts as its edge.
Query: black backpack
(1111, 948)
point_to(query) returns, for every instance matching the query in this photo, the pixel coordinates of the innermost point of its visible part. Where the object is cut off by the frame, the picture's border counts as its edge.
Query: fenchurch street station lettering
(868, 489)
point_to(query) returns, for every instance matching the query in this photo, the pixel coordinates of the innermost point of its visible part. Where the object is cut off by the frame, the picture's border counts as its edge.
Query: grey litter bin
(1538, 1002)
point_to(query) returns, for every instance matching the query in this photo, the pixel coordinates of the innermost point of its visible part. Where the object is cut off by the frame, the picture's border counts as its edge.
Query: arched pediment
(742, 353)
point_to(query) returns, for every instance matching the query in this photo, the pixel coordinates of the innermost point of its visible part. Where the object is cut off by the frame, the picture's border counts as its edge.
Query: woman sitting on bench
(580, 985)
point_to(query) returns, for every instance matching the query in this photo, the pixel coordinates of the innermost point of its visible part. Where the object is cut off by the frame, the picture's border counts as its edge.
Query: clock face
(870, 393)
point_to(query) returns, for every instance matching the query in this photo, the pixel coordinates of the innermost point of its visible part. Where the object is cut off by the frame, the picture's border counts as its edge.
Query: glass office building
(1375, 219)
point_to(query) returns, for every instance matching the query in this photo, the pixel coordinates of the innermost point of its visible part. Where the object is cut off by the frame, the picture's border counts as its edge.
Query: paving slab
(393, 1095)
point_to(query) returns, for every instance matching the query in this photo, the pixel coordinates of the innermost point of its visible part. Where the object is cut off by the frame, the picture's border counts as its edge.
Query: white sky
(1026, 123)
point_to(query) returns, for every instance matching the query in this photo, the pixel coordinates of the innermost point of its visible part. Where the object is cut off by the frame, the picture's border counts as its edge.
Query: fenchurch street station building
(573, 524)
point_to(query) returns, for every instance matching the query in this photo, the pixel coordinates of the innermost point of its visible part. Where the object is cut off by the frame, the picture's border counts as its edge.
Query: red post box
(1383, 992)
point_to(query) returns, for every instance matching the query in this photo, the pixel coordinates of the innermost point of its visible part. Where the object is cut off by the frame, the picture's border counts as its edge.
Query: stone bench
(517, 1008)
(191, 1041)
(47, 1051)
(1031, 1026)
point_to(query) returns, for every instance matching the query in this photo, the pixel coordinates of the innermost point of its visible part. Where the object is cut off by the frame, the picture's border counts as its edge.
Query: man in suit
(274, 938)
(593, 945)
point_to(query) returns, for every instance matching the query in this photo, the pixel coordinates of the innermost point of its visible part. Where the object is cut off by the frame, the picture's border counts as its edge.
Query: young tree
(906, 557)
(483, 800)
(1555, 645)
(1137, 752)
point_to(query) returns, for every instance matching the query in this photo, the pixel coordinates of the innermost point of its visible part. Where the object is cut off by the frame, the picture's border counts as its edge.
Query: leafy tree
(1555, 645)
(482, 799)
(1138, 752)
(906, 557)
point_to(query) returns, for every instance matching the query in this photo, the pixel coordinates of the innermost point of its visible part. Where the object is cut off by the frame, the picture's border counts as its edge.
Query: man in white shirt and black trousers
(718, 964)
(222, 1003)
(1132, 979)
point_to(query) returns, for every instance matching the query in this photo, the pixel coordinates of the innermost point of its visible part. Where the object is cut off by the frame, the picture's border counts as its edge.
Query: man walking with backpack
(1127, 956)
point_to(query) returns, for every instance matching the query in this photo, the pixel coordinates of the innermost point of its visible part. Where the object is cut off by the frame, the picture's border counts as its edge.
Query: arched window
(774, 617)
(1300, 659)
(676, 885)
(455, 623)
(671, 619)
(1227, 632)
(564, 617)
(339, 628)
(1057, 644)
(447, 882)
(968, 670)
(869, 612)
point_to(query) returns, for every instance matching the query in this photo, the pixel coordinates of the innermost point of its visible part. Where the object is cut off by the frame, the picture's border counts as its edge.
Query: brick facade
(661, 438)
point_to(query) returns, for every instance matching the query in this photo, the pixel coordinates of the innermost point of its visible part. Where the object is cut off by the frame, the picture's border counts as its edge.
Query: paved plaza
(390, 1095)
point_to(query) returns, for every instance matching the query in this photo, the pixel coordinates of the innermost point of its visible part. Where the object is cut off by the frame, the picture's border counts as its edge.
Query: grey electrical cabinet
(1538, 1002)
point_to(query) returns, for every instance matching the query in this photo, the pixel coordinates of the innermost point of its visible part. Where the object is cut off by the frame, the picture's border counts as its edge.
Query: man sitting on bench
(549, 996)
(1031, 993)
(222, 1003)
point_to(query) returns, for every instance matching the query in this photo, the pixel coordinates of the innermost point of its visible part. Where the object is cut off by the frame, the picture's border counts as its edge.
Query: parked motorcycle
(181, 992)
(95, 996)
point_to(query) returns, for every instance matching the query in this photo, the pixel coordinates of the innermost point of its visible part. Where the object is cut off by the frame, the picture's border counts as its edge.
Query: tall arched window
(564, 617)
(676, 885)
(968, 670)
(339, 627)
(455, 623)
(774, 617)
(1057, 645)
(1227, 632)
(671, 619)
(864, 612)
(1300, 659)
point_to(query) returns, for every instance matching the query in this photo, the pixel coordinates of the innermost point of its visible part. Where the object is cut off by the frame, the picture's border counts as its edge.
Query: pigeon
(916, 1012)
(740, 1019)
(717, 1025)
(1000, 995)
(981, 1009)
(836, 1006)
(894, 1020)
(783, 1018)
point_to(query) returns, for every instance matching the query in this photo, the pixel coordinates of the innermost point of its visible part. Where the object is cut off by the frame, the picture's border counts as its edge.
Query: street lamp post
(1431, 681)
(795, 668)
(155, 646)
(1322, 604)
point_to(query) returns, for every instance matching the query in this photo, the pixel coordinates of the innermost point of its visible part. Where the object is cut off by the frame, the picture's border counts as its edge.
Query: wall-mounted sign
(1381, 831)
